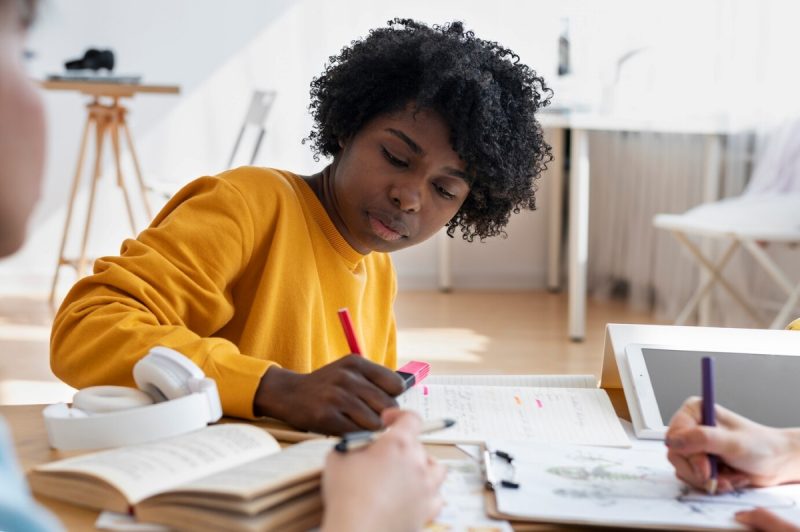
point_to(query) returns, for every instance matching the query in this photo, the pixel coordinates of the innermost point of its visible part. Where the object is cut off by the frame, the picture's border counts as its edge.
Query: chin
(384, 246)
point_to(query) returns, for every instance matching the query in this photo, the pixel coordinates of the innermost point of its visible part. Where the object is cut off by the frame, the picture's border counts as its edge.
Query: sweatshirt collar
(327, 226)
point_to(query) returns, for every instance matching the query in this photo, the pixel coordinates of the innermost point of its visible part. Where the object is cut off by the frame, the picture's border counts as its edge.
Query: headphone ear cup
(104, 399)
(160, 382)
(165, 374)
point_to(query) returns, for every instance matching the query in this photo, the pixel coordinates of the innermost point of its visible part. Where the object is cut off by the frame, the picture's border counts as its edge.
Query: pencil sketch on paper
(632, 487)
(603, 480)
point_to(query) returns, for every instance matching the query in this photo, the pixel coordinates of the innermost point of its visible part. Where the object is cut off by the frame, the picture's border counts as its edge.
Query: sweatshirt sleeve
(170, 286)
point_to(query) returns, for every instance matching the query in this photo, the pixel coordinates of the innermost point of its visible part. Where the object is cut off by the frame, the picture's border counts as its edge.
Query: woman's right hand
(346, 395)
(751, 454)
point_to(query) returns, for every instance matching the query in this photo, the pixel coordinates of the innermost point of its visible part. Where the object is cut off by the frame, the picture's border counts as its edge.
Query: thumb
(763, 519)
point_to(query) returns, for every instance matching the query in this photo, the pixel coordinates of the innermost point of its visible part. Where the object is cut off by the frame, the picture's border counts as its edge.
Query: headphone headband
(185, 400)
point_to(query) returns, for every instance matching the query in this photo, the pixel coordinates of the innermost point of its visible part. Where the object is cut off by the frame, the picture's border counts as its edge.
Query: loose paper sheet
(633, 487)
(567, 415)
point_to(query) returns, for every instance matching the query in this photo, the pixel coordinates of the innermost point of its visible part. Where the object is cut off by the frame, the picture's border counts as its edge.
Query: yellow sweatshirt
(237, 272)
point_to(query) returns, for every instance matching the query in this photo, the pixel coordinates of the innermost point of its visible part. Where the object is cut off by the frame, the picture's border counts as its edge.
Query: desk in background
(581, 124)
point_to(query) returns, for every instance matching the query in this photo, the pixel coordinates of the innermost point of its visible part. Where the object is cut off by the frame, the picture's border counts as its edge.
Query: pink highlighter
(413, 372)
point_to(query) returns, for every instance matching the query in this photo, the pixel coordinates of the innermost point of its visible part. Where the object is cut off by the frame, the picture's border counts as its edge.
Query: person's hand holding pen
(750, 454)
(392, 484)
(346, 395)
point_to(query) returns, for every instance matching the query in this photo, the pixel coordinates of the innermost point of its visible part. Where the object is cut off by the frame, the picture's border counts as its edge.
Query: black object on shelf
(93, 59)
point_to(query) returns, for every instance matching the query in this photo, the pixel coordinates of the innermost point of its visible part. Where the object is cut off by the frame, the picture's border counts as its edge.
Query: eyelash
(443, 192)
(394, 161)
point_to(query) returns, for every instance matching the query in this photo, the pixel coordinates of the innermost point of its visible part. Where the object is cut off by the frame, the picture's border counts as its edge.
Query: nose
(407, 196)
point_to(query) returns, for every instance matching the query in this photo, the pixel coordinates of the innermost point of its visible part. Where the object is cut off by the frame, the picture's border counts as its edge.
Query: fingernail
(711, 486)
(674, 443)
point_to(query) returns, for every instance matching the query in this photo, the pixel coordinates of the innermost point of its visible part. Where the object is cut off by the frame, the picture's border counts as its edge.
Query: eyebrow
(405, 138)
(419, 151)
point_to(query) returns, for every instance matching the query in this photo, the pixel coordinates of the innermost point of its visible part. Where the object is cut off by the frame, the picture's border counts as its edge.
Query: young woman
(427, 127)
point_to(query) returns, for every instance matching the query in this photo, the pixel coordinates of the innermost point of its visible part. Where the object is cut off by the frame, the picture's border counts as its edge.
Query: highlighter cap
(414, 372)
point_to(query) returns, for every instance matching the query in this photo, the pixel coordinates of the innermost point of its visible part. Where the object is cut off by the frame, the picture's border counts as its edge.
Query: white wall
(218, 53)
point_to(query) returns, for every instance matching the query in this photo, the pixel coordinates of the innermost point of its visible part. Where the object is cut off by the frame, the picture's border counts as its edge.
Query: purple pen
(708, 417)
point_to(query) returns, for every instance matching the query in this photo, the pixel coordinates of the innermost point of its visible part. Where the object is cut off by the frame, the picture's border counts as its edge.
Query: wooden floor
(503, 332)
(460, 332)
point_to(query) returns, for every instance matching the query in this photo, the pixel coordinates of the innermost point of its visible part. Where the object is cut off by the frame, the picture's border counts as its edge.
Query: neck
(322, 183)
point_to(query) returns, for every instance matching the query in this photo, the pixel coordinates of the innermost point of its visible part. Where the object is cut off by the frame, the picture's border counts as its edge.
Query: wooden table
(30, 441)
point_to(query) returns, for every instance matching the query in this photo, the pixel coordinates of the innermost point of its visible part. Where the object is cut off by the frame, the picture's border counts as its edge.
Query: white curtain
(724, 57)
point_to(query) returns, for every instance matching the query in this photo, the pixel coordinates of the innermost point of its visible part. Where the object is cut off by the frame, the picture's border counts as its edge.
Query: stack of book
(222, 477)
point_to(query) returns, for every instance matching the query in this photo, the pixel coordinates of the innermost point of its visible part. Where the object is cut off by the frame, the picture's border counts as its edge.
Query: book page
(293, 464)
(633, 487)
(568, 415)
(540, 381)
(139, 471)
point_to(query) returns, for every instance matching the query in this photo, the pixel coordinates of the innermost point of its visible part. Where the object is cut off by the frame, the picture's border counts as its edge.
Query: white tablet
(763, 387)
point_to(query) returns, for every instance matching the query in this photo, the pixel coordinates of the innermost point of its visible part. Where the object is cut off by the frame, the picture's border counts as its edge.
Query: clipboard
(490, 500)
(490, 504)
(562, 487)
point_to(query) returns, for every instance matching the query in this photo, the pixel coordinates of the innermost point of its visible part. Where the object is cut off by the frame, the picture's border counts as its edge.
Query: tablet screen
(765, 388)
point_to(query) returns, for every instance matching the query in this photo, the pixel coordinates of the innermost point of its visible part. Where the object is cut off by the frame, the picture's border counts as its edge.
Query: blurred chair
(256, 116)
(768, 212)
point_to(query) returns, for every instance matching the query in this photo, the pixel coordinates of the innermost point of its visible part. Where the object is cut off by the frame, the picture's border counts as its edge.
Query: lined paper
(533, 414)
(541, 381)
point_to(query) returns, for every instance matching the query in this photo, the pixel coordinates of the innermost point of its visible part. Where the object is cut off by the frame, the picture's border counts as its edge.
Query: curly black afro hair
(480, 88)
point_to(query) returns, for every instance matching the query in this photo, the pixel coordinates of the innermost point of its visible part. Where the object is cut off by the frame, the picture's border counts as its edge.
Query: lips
(386, 228)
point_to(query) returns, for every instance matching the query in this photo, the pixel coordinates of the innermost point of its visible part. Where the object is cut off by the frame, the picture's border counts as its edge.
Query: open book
(222, 477)
(531, 408)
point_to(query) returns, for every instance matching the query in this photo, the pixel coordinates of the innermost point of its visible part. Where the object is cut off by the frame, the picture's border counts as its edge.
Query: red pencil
(349, 332)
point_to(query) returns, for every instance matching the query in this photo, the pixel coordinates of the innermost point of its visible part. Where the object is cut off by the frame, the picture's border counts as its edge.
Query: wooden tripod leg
(114, 131)
(100, 128)
(142, 187)
(90, 119)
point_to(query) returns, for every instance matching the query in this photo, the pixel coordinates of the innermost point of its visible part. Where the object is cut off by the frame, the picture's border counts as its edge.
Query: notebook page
(541, 381)
(565, 415)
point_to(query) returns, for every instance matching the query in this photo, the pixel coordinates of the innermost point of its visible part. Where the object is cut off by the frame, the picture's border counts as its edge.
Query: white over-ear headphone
(174, 397)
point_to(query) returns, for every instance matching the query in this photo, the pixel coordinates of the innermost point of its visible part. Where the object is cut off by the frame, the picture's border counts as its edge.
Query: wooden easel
(107, 120)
